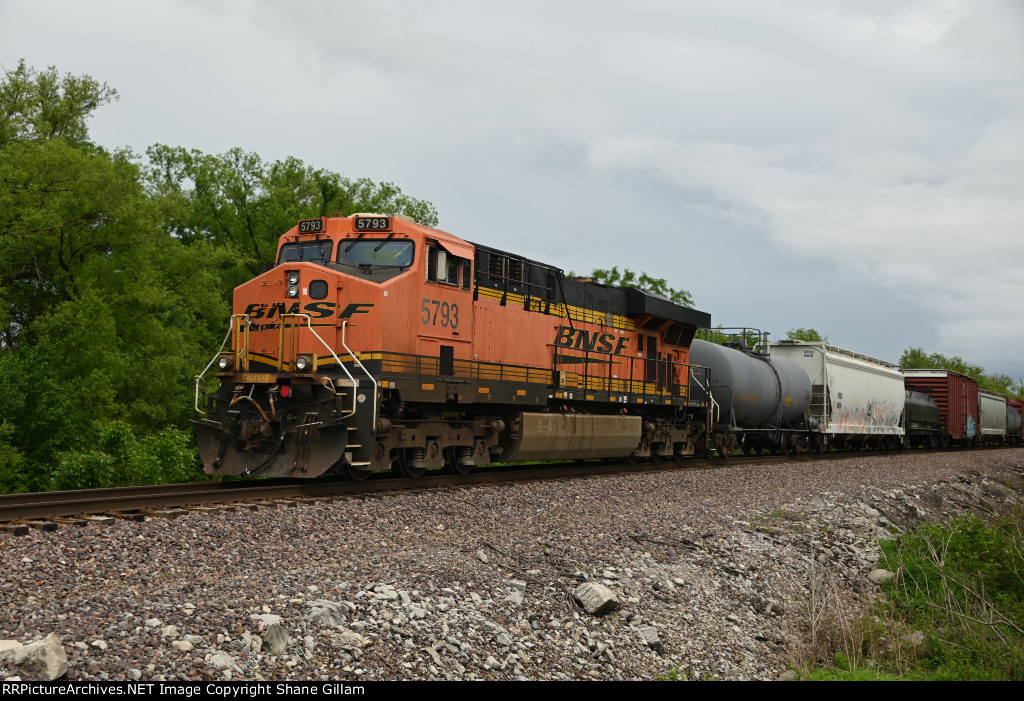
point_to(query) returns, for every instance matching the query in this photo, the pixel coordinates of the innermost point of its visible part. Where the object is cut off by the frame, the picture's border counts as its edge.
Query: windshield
(306, 252)
(377, 253)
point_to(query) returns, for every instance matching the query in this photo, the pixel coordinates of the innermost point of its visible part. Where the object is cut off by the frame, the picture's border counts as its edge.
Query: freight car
(921, 421)
(1015, 421)
(759, 402)
(992, 409)
(376, 343)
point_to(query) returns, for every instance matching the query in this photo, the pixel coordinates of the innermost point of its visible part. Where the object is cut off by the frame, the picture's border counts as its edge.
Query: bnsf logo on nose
(581, 339)
(316, 310)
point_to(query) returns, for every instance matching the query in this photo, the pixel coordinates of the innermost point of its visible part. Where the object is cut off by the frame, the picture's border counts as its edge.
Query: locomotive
(375, 343)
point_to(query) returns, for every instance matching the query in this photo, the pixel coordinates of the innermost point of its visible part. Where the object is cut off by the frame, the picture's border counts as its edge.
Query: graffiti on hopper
(876, 417)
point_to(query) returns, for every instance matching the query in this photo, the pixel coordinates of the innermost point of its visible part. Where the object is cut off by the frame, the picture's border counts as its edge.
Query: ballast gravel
(711, 572)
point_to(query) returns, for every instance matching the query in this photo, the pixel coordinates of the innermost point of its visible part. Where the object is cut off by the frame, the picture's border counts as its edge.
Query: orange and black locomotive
(375, 343)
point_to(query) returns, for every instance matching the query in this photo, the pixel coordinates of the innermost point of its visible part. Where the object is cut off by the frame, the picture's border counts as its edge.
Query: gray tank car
(759, 402)
(1013, 425)
(921, 419)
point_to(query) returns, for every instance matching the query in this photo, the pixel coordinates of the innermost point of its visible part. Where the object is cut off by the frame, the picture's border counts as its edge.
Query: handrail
(361, 367)
(231, 330)
(309, 325)
(715, 411)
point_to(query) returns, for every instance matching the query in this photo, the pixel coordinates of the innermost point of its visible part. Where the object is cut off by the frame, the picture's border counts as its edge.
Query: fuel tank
(755, 390)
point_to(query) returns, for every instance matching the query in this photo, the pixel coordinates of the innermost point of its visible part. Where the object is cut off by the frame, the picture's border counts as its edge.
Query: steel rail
(43, 505)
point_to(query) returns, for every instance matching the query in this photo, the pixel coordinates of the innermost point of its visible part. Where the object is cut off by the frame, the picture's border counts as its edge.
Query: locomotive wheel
(451, 464)
(354, 475)
(402, 467)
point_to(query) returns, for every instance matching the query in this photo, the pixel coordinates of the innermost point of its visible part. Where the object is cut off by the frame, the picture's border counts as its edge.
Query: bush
(120, 458)
(962, 584)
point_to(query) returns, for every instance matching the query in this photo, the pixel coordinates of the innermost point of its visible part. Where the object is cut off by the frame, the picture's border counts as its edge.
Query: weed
(955, 610)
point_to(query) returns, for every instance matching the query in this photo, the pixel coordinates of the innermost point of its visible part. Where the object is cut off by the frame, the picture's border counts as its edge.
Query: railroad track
(49, 510)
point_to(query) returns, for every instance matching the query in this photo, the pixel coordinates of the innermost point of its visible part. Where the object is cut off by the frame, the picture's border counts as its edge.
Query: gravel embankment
(711, 569)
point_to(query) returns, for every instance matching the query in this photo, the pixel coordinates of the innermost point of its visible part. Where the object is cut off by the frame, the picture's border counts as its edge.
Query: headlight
(225, 362)
(293, 278)
(293, 290)
(303, 363)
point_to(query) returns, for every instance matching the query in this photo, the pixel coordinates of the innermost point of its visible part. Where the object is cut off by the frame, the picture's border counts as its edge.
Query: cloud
(879, 141)
(925, 203)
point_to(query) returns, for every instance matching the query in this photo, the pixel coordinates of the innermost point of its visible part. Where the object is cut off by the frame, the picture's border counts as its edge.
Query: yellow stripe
(582, 314)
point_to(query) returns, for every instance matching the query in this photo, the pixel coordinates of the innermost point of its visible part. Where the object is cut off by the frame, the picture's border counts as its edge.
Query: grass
(954, 611)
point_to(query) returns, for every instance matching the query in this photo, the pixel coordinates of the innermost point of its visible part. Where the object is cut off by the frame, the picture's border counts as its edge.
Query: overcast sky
(856, 167)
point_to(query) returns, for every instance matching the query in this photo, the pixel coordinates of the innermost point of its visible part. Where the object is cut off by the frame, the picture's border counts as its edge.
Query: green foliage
(917, 358)
(238, 202)
(965, 584)
(115, 282)
(751, 338)
(810, 335)
(954, 611)
(844, 672)
(641, 281)
(118, 457)
(38, 106)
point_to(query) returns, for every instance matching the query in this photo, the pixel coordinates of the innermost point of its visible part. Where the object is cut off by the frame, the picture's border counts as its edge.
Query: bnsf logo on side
(316, 310)
(581, 339)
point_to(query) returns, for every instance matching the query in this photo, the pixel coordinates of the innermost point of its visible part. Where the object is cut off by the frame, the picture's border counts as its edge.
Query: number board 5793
(373, 223)
(311, 226)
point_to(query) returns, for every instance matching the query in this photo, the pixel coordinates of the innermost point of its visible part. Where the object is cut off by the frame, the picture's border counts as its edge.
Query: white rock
(43, 661)
(275, 639)
(879, 576)
(596, 599)
(222, 660)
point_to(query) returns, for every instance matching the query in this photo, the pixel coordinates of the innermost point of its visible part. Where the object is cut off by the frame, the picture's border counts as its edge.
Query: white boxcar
(854, 398)
(993, 415)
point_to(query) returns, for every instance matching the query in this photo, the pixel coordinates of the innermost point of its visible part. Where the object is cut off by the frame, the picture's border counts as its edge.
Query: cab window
(306, 252)
(377, 253)
(445, 268)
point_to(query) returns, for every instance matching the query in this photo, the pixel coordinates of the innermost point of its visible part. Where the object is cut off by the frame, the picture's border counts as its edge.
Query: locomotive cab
(296, 396)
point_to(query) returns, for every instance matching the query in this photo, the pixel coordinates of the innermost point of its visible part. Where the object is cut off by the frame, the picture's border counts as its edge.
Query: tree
(115, 281)
(44, 106)
(103, 316)
(641, 281)
(810, 335)
(917, 358)
(238, 201)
